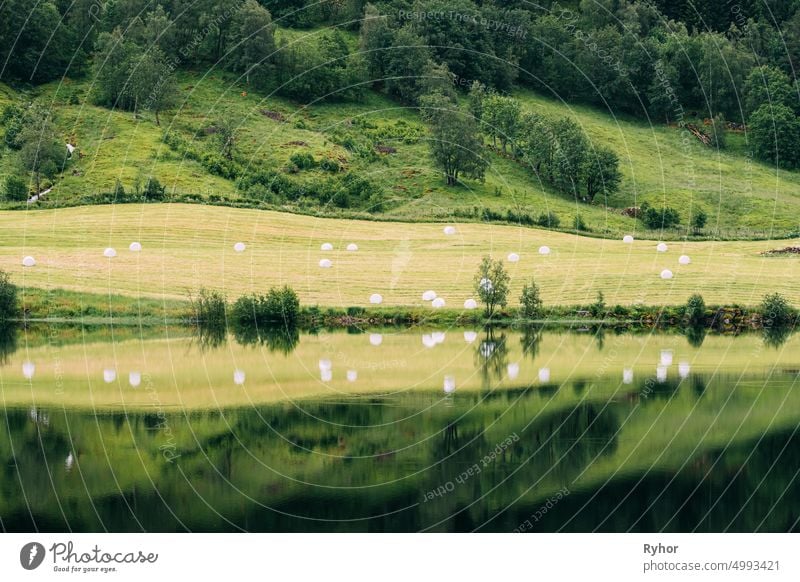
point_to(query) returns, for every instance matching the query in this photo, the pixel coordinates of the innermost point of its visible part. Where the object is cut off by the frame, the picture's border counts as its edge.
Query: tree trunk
(158, 121)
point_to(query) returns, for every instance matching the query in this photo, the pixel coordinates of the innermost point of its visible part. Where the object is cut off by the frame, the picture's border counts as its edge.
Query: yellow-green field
(186, 247)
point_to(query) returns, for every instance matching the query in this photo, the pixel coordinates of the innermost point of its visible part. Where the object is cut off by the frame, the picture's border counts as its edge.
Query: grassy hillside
(743, 198)
(189, 246)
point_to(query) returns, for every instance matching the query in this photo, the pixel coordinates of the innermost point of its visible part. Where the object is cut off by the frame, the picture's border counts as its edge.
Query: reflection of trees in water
(8, 342)
(776, 335)
(276, 339)
(696, 335)
(531, 341)
(491, 357)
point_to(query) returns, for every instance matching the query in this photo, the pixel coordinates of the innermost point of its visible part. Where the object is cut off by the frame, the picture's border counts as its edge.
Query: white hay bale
(326, 375)
(470, 304)
(544, 375)
(661, 373)
(470, 336)
(683, 369)
(544, 250)
(449, 384)
(486, 284)
(135, 247)
(352, 247)
(239, 247)
(438, 337)
(109, 375)
(513, 371)
(428, 341)
(449, 230)
(326, 247)
(70, 148)
(429, 295)
(684, 260)
(325, 365)
(627, 376)
(627, 239)
(134, 379)
(352, 375)
(376, 298)
(325, 263)
(28, 262)
(666, 274)
(666, 358)
(239, 377)
(662, 247)
(513, 258)
(69, 461)
(110, 253)
(437, 303)
(28, 370)
(375, 339)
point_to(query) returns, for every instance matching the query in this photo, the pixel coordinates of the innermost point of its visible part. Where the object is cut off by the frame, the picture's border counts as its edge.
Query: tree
(569, 158)
(153, 190)
(152, 84)
(16, 189)
(598, 308)
(776, 311)
(42, 153)
(699, 220)
(225, 135)
(775, 134)
(492, 285)
(530, 301)
(602, 173)
(408, 56)
(9, 307)
(374, 40)
(253, 41)
(767, 85)
(455, 144)
(501, 118)
(695, 310)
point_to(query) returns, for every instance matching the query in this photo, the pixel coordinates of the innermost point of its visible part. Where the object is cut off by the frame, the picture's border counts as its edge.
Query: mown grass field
(743, 198)
(186, 247)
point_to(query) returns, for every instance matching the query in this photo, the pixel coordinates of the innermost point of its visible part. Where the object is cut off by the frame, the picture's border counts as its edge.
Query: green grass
(743, 199)
(191, 246)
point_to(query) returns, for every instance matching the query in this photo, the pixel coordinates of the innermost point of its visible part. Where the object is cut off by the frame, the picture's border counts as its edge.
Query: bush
(9, 308)
(656, 219)
(530, 301)
(580, 224)
(330, 165)
(16, 189)
(695, 310)
(209, 308)
(153, 190)
(303, 160)
(548, 220)
(699, 220)
(776, 311)
(278, 306)
(598, 308)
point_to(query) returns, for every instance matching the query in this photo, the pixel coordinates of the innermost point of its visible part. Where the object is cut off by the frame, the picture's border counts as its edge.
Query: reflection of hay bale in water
(238, 377)
(135, 247)
(449, 384)
(661, 374)
(376, 299)
(683, 370)
(437, 303)
(666, 358)
(352, 375)
(325, 263)
(470, 304)
(28, 370)
(666, 274)
(438, 337)
(134, 379)
(109, 376)
(544, 375)
(428, 341)
(325, 365)
(429, 295)
(470, 336)
(513, 371)
(326, 375)
(627, 376)
(375, 339)
(28, 262)
(239, 247)
(109, 253)
(326, 247)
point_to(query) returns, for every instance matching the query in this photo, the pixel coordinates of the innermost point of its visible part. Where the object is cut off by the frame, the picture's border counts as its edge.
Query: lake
(154, 429)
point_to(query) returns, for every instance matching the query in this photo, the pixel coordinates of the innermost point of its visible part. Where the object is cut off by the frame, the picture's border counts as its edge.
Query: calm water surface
(437, 430)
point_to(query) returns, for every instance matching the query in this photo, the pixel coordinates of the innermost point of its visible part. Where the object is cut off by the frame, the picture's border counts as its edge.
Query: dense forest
(729, 63)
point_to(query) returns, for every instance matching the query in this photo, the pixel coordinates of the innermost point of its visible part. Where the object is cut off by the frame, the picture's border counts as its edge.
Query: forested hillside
(600, 116)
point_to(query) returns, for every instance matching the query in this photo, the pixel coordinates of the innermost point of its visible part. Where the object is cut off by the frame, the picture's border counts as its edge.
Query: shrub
(119, 191)
(330, 165)
(580, 224)
(598, 308)
(548, 220)
(491, 285)
(153, 190)
(9, 308)
(695, 310)
(16, 189)
(699, 220)
(530, 301)
(665, 218)
(303, 160)
(776, 311)
(278, 306)
(209, 308)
